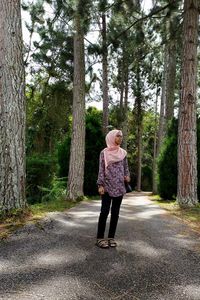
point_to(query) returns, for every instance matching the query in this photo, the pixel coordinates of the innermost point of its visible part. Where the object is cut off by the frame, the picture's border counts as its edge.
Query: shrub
(40, 171)
(94, 144)
(63, 157)
(167, 164)
(56, 191)
(146, 178)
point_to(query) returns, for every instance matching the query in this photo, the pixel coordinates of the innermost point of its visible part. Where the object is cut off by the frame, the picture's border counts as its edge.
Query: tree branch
(141, 19)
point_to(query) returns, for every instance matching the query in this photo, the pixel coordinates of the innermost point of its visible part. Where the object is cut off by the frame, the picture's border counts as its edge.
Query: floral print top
(113, 179)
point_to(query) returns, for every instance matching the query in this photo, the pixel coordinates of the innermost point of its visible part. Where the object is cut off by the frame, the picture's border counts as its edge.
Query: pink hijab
(113, 152)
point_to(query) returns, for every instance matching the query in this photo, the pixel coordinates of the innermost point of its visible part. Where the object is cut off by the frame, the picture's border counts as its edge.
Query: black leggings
(105, 208)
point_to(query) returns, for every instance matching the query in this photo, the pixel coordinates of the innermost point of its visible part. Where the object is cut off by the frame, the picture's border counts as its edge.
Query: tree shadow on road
(155, 258)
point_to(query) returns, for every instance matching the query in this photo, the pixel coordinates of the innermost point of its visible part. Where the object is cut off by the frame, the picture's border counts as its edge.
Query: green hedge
(94, 144)
(167, 163)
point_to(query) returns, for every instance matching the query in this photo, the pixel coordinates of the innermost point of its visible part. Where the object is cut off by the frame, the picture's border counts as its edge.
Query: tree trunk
(187, 139)
(170, 82)
(171, 74)
(105, 76)
(77, 150)
(12, 108)
(139, 152)
(138, 107)
(125, 112)
(121, 75)
(162, 106)
(121, 104)
(155, 187)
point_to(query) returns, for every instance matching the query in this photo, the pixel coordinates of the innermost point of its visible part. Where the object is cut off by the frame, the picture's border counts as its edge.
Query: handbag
(128, 187)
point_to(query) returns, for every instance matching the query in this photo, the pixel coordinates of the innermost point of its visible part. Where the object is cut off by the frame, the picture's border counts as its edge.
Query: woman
(113, 172)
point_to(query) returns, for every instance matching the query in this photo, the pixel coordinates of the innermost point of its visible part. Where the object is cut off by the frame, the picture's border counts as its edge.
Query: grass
(38, 210)
(191, 216)
(32, 214)
(13, 220)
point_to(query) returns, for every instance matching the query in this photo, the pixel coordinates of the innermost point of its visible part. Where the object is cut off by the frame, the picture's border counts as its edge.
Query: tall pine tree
(187, 136)
(77, 150)
(12, 108)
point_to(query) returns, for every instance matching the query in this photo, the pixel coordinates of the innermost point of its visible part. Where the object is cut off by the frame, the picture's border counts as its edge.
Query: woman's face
(118, 139)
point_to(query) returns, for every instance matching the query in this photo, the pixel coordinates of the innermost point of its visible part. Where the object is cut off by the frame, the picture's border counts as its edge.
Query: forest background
(131, 60)
(142, 50)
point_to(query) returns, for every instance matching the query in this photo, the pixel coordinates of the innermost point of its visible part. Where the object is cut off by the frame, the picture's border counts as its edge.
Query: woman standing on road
(113, 172)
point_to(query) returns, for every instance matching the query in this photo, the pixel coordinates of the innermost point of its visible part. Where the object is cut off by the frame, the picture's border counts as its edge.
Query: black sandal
(112, 243)
(101, 243)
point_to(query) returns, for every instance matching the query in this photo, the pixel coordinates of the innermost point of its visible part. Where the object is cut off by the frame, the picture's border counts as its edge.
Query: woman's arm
(126, 170)
(101, 175)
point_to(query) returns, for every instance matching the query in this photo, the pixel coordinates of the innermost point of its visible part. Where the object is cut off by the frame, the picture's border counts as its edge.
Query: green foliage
(167, 164)
(40, 171)
(146, 178)
(52, 53)
(14, 214)
(49, 96)
(59, 204)
(63, 156)
(84, 9)
(147, 144)
(56, 191)
(47, 112)
(94, 144)
(102, 5)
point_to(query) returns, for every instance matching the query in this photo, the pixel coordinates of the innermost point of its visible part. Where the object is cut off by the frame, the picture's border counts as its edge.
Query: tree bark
(162, 106)
(122, 88)
(139, 129)
(171, 70)
(187, 137)
(139, 155)
(105, 75)
(77, 150)
(125, 112)
(155, 186)
(12, 108)
(170, 82)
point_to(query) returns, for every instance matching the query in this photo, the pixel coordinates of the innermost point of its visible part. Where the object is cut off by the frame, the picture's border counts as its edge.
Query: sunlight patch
(146, 250)
(150, 213)
(59, 257)
(190, 291)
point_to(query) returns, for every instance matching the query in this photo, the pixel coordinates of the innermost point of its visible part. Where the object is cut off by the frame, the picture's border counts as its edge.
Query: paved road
(158, 257)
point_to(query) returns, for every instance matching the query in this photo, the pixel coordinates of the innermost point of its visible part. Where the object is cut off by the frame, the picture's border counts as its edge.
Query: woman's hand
(127, 178)
(101, 190)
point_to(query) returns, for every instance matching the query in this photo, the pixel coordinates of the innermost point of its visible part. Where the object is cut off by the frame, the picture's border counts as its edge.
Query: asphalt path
(158, 256)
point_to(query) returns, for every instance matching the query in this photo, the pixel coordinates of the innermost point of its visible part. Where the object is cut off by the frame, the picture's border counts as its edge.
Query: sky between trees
(146, 6)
